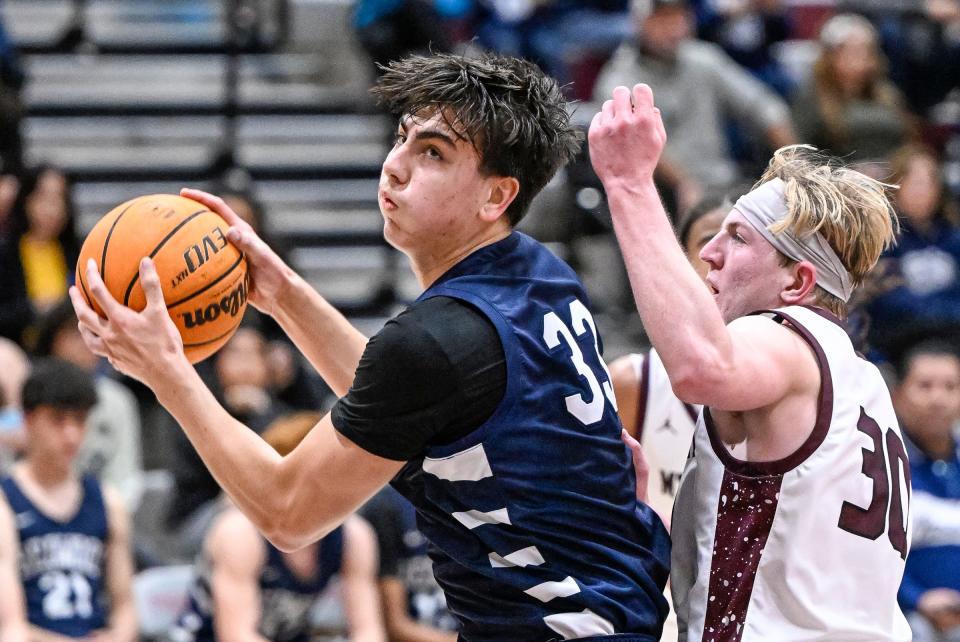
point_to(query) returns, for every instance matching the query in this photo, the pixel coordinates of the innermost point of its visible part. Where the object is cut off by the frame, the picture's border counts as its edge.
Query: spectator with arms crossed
(783, 515)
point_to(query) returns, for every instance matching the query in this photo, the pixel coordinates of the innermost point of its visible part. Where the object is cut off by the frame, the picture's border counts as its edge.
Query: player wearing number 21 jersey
(64, 537)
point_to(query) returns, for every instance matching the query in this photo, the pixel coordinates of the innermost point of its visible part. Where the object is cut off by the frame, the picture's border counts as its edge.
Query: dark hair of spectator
(58, 384)
(49, 326)
(68, 238)
(511, 112)
(710, 202)
(928, 347)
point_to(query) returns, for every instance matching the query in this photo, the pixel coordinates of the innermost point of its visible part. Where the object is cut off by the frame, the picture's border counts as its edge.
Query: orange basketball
(204, 276)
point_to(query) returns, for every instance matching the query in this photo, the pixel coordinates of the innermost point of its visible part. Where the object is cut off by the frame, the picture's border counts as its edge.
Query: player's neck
(44, 474)
(435, 262)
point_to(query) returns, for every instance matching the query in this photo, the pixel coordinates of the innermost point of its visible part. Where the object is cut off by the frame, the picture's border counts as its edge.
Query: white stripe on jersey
(802, 548)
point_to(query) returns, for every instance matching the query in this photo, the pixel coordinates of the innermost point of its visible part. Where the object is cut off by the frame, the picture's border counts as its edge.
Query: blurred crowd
(875, 83)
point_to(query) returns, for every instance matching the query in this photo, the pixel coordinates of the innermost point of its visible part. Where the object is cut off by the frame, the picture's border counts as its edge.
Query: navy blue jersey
(285, 598)
(534, 528)
(62, 563)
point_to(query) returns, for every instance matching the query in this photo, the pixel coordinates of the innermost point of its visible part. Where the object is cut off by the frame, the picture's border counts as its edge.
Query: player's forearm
(407, 630)
(123, 622)
(244, 465)
(321, 333)
(665, 287)
(13, 630)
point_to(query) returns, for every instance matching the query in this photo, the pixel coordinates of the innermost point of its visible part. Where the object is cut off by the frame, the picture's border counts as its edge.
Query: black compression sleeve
(432, 375)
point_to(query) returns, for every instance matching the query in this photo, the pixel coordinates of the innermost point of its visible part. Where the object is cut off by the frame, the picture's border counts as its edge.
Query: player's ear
(503, 189)
(800, 288)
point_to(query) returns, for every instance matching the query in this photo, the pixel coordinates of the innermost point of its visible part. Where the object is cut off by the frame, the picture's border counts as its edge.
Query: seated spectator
(239, 377)
(747, 29)
(927, 401)
(390, 29)
(559, 35)
(414, 608)
(15, 310)
(13, 371)
(246, 589)
(851, 108)
(111, 448)
(698, 87)
(925, 263)
(71, 533)
(46, 238)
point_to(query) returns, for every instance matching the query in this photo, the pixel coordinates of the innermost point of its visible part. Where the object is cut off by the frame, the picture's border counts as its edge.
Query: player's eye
(433, 152)
(399, 139)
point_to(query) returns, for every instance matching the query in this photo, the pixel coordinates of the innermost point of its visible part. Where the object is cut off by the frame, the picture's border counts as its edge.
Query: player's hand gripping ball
(204, 277)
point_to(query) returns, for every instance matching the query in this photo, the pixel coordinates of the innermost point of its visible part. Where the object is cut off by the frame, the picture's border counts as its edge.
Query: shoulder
(628, 369)
(701, 52)
(430, 328)
(783, 343)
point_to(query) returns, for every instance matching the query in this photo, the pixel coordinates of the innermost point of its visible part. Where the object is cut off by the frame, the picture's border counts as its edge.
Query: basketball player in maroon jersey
(796, 496)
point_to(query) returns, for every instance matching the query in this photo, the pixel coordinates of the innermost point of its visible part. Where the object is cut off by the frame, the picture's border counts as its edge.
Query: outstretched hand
(266, 272)
(143, 345)
(626, 138)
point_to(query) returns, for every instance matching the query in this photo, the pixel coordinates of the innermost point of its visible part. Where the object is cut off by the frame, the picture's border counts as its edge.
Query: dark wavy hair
(513, 114)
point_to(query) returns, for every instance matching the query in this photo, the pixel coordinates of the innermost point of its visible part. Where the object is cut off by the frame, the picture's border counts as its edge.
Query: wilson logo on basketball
(231, 304)
(199, 253)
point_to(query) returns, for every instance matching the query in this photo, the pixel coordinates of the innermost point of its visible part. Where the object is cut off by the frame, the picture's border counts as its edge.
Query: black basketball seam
(106, 242)
(213, 340)
(136, 277)
(84, 288)
(208, 285)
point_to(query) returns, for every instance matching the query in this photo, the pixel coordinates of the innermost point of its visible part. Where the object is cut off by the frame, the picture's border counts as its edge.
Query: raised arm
(361, 601)
(13, 609)
(237, 556)
(318, 330)
(749, 365)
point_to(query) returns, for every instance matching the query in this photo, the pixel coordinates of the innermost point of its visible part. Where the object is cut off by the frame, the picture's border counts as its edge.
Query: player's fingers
(607, 109)
(93, 342)
(85, 314)
(98, 290)
(150, 282)
(621, 101)
(642, 97)
(660, 127)
(215, 203)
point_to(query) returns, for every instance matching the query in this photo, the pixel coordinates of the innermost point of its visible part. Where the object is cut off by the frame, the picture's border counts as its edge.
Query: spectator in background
(747, 29)
(927, 401)
(12, 80)
(71, 532)
(238, 376)
(698, 87)
(15, 311)
(13, 371)
(925, 263)
(559, 35)
(44, 229)
(851, 108)
(111, 448)
(414, 608)
(391, 29)
(246, 589)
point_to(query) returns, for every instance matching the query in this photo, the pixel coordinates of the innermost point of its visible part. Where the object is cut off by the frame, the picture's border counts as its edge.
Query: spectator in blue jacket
(927, 400)
(925, 263)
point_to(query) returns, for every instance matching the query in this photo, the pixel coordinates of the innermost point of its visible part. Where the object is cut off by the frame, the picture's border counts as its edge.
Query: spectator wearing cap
(698, 87)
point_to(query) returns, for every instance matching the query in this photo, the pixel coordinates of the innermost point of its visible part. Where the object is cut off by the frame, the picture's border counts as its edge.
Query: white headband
(765, 206)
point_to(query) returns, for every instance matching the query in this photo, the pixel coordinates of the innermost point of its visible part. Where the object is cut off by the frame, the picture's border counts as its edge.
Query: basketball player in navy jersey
(486, 402)
(249, 591)
(70, 534)
(796, 497)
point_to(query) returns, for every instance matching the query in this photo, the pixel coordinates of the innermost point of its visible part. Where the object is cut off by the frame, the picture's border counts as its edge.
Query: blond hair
(851, 210)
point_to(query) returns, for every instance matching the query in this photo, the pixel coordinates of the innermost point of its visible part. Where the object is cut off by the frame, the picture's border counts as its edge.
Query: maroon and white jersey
(809, 547)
